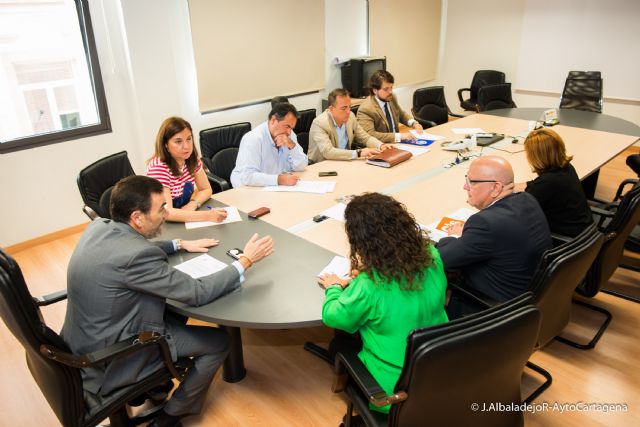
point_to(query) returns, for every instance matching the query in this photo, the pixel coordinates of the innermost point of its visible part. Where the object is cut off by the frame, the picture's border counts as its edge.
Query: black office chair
(560, 271)
(495, 96)
(448, 368)
(616, 223)
(430, 106)
(354, 109)
(57, 371)
(223, 163)
(304, 122)
(96, 181)
(480, 78)
(582, 91)
(214, 140)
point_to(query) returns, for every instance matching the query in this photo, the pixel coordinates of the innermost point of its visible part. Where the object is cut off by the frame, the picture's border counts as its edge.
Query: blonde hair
(546, 151)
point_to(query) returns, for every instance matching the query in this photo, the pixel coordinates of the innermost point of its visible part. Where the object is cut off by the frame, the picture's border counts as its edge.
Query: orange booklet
(446, 223)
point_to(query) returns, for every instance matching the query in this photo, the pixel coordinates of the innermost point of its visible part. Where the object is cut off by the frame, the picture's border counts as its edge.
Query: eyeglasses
(474, 181)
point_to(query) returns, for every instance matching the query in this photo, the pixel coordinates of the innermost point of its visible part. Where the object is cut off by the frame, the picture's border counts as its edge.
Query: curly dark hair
(385, 237)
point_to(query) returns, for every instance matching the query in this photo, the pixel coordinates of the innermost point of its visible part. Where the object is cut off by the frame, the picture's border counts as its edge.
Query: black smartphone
(235, 253)
(329, 173)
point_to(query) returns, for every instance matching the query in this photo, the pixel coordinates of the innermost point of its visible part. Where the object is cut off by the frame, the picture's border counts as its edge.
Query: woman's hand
(333, 279)
(217, 215)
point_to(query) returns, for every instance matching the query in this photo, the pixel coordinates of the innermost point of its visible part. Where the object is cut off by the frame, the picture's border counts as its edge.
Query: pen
(209, 207)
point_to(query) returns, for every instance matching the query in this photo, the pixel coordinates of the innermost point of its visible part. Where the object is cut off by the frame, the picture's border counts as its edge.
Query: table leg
(233, 368)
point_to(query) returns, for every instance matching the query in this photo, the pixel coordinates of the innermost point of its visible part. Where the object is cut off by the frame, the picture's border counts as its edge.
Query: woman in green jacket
(397, 285)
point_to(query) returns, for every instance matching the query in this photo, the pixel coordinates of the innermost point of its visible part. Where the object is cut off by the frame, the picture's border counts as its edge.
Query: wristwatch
(198, 204)
(358, 151)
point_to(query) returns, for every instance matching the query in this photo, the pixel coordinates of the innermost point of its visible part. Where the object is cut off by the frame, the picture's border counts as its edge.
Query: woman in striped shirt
(177, 166)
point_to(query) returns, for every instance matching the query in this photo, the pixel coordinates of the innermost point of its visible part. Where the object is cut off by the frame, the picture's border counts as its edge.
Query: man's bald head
(494, 167)
(490, 178)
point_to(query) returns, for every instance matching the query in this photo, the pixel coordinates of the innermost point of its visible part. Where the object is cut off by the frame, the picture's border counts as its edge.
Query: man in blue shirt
(270, 152)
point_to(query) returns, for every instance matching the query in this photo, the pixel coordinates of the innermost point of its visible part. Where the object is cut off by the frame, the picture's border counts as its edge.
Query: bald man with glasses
(499, 247)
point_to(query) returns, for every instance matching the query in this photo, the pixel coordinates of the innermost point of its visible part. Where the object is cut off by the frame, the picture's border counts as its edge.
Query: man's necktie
(388, 114)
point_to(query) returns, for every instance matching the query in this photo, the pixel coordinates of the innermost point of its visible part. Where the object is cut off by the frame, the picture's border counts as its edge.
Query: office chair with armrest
(448, 367)
(304, 122)
(57, 371)
(494, 97)
(223, 163)
(582, 91)
(96, 181)
(480, 78)
(354, 109)
(616, 223)
(430, 107)
(214, 140)
(560, 270)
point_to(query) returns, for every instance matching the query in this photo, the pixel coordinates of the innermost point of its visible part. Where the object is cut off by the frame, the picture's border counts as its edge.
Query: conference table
(281, 291)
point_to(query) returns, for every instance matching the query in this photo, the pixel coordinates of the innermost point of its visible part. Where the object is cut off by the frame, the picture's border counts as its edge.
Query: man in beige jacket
(336, 135)
(380, 114)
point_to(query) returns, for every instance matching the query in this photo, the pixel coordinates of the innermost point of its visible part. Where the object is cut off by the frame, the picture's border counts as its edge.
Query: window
(50, 78)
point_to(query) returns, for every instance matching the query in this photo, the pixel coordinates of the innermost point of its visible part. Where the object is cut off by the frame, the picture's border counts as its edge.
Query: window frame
(104, 125)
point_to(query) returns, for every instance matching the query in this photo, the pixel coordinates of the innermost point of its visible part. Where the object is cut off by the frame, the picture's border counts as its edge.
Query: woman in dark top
(557, 187)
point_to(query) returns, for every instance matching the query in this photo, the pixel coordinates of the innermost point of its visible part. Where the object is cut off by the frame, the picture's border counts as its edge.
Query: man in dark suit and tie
(117, 284)
(380, 114)
(499, 247)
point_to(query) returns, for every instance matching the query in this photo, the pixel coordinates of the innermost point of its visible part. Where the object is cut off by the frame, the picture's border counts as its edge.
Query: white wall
(146, 60)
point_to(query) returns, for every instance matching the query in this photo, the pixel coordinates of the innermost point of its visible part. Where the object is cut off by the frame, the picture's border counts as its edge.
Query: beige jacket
(373, 120)
(323, 139)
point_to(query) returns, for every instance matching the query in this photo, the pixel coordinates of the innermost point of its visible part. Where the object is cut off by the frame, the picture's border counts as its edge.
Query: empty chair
(582, 91)
(560, 271)
(430, 106)
(223, 163)
(616, 222)
(57, 371)
(495, 96)
(447, 368)
(217, 139)
(480, 78)
(304, 122)
(96, 181)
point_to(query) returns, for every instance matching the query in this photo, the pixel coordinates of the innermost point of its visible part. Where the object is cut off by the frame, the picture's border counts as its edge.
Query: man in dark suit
(380, 114)
(118, 282)
(499, 247)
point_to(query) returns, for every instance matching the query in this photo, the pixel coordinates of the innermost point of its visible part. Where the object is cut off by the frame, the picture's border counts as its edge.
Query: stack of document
(439, 229)
(318, 187)
(201, 266)
(339, 266)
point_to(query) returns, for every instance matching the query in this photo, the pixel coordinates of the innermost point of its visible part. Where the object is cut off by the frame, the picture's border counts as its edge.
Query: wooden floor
(286, 386)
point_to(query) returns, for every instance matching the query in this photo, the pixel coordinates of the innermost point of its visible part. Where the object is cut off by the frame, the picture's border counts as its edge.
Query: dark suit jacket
(500, 247)
(373, 120)
(117, 283)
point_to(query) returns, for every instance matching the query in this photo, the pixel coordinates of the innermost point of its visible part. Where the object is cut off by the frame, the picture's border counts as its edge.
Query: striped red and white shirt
(159, 170)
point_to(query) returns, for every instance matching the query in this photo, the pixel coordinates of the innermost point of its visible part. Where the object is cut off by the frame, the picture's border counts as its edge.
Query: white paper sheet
(413, 149)
(232, 216)
(467, 131)
(201, 266)
(426, 136)
(318, 187)
(339, 265)
(335, 212)
(435, 234)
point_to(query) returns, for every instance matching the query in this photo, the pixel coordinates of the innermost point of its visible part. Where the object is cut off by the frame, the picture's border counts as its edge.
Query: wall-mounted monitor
(356, 72)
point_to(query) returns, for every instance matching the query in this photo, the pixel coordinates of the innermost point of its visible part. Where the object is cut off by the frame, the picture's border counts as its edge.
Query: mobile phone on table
(235, 253)
(257, 213)
(328, 173)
